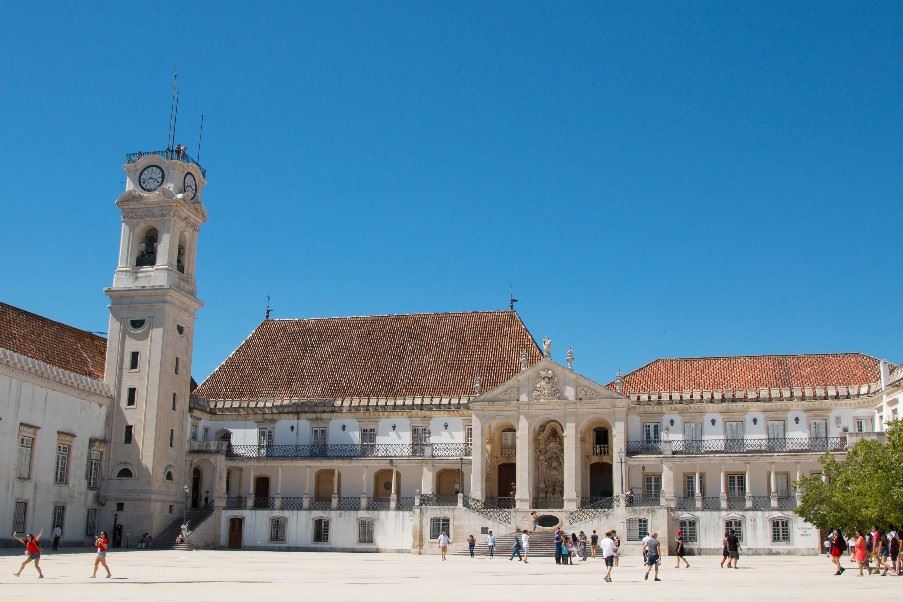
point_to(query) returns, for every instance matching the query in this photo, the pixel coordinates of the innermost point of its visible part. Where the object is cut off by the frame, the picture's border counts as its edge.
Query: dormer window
(147, 255)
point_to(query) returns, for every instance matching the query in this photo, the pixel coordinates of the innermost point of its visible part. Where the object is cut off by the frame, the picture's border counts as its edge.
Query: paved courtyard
(221, 575)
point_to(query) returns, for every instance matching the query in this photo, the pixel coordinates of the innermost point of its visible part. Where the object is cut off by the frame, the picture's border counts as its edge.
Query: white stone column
(773, 486)
(667, 493)
(365, 472)
(523, 490)
(476, 459)
(723, 489)
(618, 443)
(798, 476)
(697, 488)
(426, 479)
(278, 499)
(305, 500)
(570, 465)
(335, 488)
(748, 483)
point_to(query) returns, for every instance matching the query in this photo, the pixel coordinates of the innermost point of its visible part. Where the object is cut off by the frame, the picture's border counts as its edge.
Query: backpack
(842, 543)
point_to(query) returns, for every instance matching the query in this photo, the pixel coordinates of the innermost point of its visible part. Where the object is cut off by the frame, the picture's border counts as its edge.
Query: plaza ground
(247, 575)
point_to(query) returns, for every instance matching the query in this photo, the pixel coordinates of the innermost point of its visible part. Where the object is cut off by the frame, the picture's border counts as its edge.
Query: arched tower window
(180, 255)
(147, 253)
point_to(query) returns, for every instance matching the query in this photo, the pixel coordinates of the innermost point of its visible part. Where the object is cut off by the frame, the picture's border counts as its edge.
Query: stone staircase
(541, 544)
(166, 539)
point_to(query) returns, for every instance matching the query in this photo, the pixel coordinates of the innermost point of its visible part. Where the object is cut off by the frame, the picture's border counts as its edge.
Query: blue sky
(653, 179)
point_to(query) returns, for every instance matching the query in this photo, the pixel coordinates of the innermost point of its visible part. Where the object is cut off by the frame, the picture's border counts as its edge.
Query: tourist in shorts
(101, 542)
(593, 543)
(525, 542)
(608, 555)
(617, 540)
(443, 544)
(490, 544)
(724, 553)
(733, 549)
(471, 544)
(652, 549)
(679, 550)
(33, 549)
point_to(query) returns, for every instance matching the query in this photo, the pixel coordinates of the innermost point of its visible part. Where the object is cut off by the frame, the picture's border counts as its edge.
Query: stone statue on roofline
(547, 347)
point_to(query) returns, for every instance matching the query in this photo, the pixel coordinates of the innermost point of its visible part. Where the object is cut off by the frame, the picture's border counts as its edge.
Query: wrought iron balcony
(351, 450)
(508, 451)
(170, 154)
(208, 447)
(748, 445)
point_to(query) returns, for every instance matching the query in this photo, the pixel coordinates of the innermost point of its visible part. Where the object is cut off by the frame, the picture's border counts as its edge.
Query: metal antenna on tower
(200, 138)
(511, 299)
(173, 112)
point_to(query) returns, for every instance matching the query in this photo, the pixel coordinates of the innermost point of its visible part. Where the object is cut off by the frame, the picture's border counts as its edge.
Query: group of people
(874, 551)
(32, 545)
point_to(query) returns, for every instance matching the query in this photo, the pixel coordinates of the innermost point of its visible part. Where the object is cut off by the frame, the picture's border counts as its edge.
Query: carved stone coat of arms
(547, 386)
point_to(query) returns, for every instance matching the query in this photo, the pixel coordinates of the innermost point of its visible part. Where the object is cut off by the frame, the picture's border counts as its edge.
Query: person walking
(893, 548)
(558, 541)
(608, 555)
(33, 549)
(652, 547)
(471, 544)
(56, 534)
(724, 553)
(679, 550)
(443, 544)
(733, 549)
(617, 540)
(535, 517)
(582, 546)
(525, 541)
(593, 543)
(646, 538)
(837, 547)
(861, 553)
(515, 548)
(101, 542)
(490, 544)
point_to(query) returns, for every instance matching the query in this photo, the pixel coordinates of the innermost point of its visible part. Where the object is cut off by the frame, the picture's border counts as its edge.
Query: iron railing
(404, 503)
(349, 503)
(293, 503)
(711, 503)
(350, 450)
(740, 446)
(761, 502)
(508, 451)
(592, 507)
(550, 503)
(378, 503)
(430, 499)
(787, 503)
(736, 502)
(208, 447)
(170, 154)
(264, 503)
(320, 504)
(641, 500)
(501, 503)
(236, 502)
(685, 503)
(501, 515)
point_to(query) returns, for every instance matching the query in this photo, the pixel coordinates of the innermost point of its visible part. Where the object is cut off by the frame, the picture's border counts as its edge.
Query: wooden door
(262, 492)
(235, 528)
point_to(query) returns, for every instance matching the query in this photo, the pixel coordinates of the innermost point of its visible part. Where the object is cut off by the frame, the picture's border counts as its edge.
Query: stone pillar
(723, 489)
(522, 493)
(748, 483)
(798, 476)
(773, 486)
(335, 488)
(476, 459)
(666, 497)
(697, 488)
(426, 479)
(250, 488)
(618, 443)
(219, 492)
(305, 499)
(278, 500)
(570, 465)
(364, 478)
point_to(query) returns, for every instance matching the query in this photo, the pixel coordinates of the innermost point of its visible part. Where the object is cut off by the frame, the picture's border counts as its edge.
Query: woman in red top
(860, 550)
(102, 542)
(837, 543)
(33, 549)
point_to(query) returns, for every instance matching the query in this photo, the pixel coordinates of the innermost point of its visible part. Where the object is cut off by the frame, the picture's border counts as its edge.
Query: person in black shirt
(733, 549)
(593, 543)
(679, 551)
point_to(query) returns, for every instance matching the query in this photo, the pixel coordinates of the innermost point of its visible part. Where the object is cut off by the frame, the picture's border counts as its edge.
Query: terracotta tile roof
(751, 372)
(52, 342)
(374, 356)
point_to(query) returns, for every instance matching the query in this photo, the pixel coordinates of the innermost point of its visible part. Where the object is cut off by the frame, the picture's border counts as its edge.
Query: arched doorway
(600, 480)
(549, 488)
(262, 492)
(195, 487)
(382, 484)
(325, 485)
(501, 460)
(447, 482)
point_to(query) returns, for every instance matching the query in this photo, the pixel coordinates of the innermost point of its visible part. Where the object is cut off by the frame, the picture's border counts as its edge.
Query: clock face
(190, 185)
(151, 178)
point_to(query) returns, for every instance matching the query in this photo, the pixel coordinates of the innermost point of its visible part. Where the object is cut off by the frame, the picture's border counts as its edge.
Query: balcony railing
(639, 500)
(236, 502)
(208, 447)
(351, 450)
(170, 154)
(600, 449)
(747, 445)
(508, 451)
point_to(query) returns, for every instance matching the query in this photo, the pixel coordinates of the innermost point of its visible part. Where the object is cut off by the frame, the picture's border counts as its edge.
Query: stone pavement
(247, 575)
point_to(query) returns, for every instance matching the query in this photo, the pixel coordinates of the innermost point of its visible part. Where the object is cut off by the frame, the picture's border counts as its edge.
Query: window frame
(468, 434)
(131, 397)
(319, 436)
(129, 435)
(785, 531)
(652, 478)
(653, 428)
(690, 529)
(90, 522)
(739, 527)
(95, 457)
(134, 360)
(320, 533)
(438, 524)
(690, 484)
(21, 457)
(58, 517)
(20, 519)
(365, 526)
(637, 527)
(736, 477)
(278, 527)
(61, 468)
(368, 435)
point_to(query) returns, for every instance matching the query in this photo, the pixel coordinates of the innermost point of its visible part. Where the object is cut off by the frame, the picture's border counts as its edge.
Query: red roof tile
(751, 372)
(374, 356)
(52, 342)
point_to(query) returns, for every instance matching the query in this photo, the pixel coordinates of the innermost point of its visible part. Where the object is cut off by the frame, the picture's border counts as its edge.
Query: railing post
(364, 499)
(460, 500)
(417, 497)
(305, 502)
(393, 501)
(427, 450)
(334, 501)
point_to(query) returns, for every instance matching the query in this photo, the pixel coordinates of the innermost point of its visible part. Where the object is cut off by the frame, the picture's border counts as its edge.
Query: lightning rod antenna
(200, 138)
(173, 111)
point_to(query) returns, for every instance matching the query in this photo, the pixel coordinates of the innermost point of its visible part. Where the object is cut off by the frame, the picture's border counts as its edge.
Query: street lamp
(621, 461)
(186, 490)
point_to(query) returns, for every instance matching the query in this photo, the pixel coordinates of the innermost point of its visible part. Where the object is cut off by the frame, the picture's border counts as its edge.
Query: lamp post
(186, 490)
(621, 462)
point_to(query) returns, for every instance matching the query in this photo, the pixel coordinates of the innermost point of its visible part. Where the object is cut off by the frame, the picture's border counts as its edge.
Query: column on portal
(723, 489)
(697, 487)
(773, 486)
(278, 500)
(747, 482)
(666, 495)
(522, 484)
(476, 459)
(365, 473)
(426, 479)
(305, 501)
(619, 453)
(570, 464)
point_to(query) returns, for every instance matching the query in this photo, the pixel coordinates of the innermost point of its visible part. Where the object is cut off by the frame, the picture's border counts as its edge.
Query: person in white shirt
(490, 544)
(525, 542)
(645, 555)
(443, 544)
(608, 554)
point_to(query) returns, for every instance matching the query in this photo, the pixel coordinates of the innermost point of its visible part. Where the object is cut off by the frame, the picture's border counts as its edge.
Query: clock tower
(153, 302)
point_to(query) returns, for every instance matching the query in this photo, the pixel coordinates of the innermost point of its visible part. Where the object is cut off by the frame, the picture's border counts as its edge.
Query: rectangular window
(171, 435)
(818, 429)
(692, 431)
(173, 402)
(861, 425)
(651, 431)
(277, 530)
(133, 360)
(61, 476)
(733, 429)
(177, 365)
(736, 485)
(735, 526)
(780, 530)
(365, 530)
(59, 516)
(91, 522)
(127, 437)
(509, 443)
(688, 526)
(420, 435)
(782, 484)
(318, 435)
(368, 436)
(652, 485)
(468, 435)
(19, 517)
(206, 433)
(94, 458)
(194, 432)
(23, 462)
(690, 484)
(131, 396)
(321, 530)
(775, 429)
(438, 524)
(637, 529)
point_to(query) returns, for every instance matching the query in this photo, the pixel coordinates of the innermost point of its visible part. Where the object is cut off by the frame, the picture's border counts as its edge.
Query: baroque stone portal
(549, 466)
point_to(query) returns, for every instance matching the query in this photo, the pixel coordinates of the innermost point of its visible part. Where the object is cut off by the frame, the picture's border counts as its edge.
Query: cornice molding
(56, 377)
